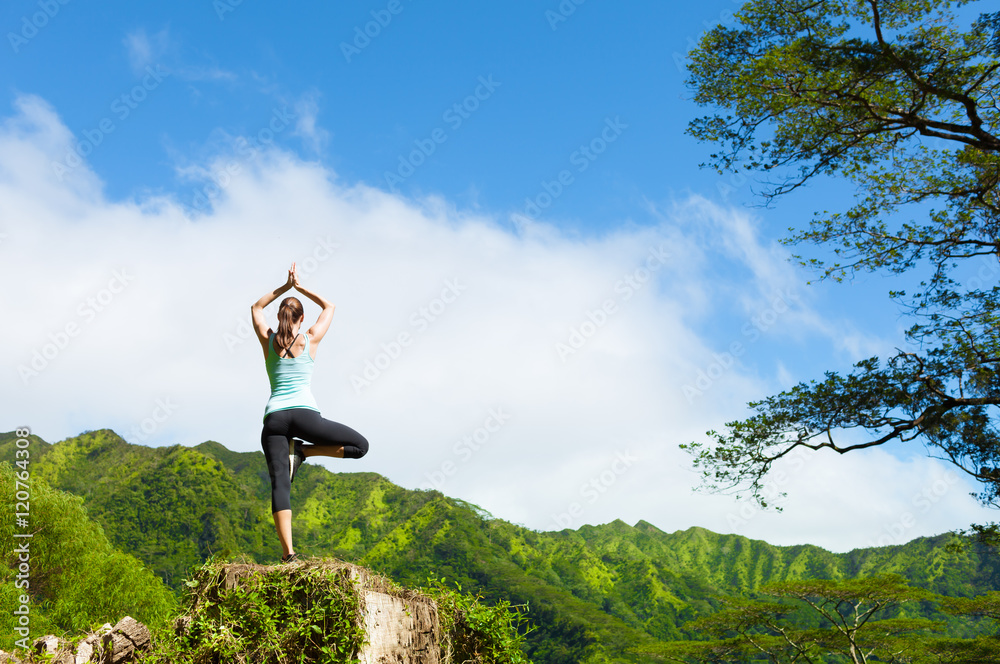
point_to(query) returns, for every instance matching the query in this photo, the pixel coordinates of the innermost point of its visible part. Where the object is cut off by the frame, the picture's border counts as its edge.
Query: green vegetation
(859, 620)
(596, 594)
(312, 612)
(73, 577)
(898, 98)
(479, 632)
(282, 614)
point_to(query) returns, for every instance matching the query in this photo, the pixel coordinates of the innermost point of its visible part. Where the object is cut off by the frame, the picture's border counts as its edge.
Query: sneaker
(296, 457)
(290, 558)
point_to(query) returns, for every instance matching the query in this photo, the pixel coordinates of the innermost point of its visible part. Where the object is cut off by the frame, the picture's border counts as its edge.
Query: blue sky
(556, 87)
(203, 146)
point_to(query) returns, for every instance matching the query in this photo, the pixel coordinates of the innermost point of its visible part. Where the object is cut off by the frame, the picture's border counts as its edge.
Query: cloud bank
(546, 378)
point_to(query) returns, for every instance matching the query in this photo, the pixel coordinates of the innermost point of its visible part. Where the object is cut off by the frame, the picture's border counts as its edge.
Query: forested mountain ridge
(607, 588)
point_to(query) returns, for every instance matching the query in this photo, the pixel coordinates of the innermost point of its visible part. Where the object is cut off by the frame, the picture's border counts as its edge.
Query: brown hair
(288, 313)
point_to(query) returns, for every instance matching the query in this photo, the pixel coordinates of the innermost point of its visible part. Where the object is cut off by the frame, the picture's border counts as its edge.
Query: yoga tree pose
(291, 415)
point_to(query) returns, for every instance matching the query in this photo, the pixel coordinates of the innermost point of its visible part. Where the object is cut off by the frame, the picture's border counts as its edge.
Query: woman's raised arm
(322, 324)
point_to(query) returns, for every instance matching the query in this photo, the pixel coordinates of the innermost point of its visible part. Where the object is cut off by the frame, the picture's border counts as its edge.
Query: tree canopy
(854, 621)
(898, 97)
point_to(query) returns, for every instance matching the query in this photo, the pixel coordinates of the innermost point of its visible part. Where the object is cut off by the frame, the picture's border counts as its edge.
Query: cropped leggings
(281, 426)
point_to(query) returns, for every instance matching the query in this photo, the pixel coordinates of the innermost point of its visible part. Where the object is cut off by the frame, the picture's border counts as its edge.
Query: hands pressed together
(293, 278)
(293, 282)
(315, 332)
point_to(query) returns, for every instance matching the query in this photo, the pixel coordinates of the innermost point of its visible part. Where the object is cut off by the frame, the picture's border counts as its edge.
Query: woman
(291, 412)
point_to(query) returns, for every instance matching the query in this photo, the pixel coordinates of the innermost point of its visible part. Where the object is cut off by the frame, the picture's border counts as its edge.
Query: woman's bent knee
(356, 448)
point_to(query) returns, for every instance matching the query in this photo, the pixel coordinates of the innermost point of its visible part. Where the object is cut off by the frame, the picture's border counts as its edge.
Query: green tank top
(290, 378)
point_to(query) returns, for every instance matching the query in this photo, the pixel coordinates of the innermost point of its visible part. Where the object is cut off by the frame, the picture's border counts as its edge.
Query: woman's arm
(322, 324)
(260, 325)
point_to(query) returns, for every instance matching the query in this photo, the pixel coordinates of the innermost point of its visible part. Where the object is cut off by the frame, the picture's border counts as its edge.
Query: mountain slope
(596, 591)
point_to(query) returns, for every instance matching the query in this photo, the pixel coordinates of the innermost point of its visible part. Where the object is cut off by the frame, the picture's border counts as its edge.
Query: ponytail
(288, 313)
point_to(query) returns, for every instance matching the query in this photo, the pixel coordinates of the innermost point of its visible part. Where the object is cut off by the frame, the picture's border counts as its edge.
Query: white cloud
(144, 50)
(205, 73)
(160, 51)
(139, 50)
(135, 317)
(306, 112)
(840, 502)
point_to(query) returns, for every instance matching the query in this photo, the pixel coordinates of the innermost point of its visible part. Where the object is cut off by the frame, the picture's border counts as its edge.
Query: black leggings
(307, 424)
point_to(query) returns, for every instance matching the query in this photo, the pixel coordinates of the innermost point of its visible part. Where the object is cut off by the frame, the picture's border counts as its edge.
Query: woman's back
(290, 377)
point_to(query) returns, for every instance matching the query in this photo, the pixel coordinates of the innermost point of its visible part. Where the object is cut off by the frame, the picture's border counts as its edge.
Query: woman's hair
(288, 313)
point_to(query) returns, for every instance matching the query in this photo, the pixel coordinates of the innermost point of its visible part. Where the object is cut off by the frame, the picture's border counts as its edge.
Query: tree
(859, 621)
(893, 96)
(984, 648)
(75, 578)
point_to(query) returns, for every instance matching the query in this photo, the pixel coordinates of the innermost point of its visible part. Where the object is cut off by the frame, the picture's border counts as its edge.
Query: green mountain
(596, 593)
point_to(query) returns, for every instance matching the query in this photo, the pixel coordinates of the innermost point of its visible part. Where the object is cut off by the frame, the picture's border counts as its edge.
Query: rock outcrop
(401, 626)
(374, 620)
(121, 644)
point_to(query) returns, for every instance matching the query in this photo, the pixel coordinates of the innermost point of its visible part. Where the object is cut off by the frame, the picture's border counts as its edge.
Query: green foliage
(856, 89)
(312, 612)
(280, 615)
(477, 632)
(175, 506)
(597, 594)
(861, 620)
(75, 579)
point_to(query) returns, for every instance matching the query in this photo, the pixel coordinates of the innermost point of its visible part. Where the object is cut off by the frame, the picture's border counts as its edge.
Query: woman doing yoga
(291, 412)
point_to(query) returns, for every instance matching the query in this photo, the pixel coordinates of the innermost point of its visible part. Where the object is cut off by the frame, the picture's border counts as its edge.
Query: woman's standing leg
(283, 524)
(274, 439)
